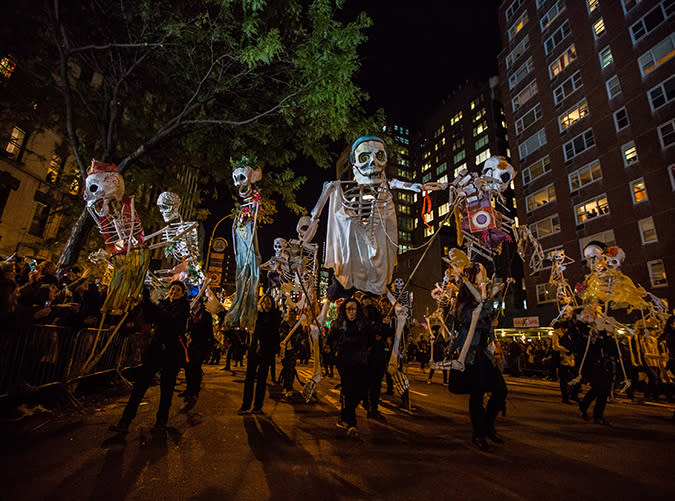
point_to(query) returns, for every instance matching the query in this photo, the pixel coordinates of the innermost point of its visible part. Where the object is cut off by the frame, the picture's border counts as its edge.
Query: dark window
(37, 226)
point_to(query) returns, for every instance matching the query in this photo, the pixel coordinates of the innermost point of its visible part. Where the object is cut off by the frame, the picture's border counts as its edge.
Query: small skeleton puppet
(243, 312)
(122, 233)
(565, 297)
(402, 296)
(362, 234)
(180, 240)
(478, 199)
(295, 262)
(524, 240)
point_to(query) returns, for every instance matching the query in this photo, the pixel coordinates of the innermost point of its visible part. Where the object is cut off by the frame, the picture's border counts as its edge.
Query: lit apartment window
(482, 156)
(621, 119)
(426, 166)
(606, 58)
(598, 28)
(537, 169)
(667, 134)
(479, 114)
(546, 292)
(557, 37)
(570, 85)
(585, 175)
(521, 72)
(532, 143)
(441, 168)
(528, 118)
(16, 143)
(647, 230)
(443, 209)
(404, 209)
(579, 144)
(591, 209)
(557, 66)
(613, 86)
(481, 142)
(540, 198)
(518, 51)
(662, 94)
(606, 237)
(428, 231)
(592, 5)
(480, 128)
(458, 157)
(629, 4)
(629, 154)
(442, 179)
(459, 143)
(518, 25)
(7, 66)
(551, 14)
(456, 118)
(657, 55)
(426, 177)
(651, 20)
(545, 227)
(638, 191)
(54, 169)
(657, 273)
(428, 217)
(524, 95)
(574, 114)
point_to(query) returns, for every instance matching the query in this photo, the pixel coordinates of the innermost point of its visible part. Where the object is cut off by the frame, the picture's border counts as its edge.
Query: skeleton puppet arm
(404, 185)
(328, 188)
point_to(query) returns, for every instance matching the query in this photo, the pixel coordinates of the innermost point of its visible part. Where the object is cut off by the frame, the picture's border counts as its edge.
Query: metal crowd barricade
(51, 355)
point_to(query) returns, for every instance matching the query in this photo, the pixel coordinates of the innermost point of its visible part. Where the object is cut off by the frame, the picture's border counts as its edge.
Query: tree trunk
(78, 236)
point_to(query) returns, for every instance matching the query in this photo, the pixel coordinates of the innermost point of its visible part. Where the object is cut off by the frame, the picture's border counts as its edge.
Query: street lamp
(208, 253)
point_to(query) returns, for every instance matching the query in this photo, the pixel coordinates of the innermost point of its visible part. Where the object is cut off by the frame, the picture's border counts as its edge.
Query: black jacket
(265, 339)
(351, 344)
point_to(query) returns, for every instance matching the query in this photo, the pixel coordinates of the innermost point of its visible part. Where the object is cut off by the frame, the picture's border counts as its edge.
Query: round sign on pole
(219, 244)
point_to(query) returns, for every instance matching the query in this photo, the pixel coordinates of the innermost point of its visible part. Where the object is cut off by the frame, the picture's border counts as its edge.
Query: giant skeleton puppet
(122, 232)
(362, 235)
(243, 312)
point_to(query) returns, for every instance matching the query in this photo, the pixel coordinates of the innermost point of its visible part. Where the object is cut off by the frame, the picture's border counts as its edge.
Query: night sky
(416, 54)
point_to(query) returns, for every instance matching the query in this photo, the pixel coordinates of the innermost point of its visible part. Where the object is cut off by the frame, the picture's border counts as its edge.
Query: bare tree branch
(116, 45)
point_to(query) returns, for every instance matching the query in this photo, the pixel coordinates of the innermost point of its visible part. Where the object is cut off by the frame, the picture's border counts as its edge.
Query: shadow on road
(290, 470)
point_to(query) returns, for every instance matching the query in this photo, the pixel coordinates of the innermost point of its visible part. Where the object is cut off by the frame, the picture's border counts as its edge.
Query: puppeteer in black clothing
(166, 354)
(264, 347)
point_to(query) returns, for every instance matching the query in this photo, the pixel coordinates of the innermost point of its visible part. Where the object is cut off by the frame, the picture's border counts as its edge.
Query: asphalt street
(295, 451)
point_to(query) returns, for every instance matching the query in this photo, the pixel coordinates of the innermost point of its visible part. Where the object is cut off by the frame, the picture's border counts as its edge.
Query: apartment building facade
(588, 93)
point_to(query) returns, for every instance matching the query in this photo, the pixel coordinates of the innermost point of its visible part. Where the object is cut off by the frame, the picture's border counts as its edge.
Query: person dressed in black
(200, 329)
(351, 344)
(166, 354)
(439, 348)
(378, 357)
(481, 372)
(264, 347)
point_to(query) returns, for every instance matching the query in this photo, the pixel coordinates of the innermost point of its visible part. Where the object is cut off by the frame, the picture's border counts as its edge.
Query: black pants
(566, 374)
(168, 369)
(483, 418)
(193, 369)
(376, 371)
(257, 369)
(354, 391)
(600, 381)
(445, 375)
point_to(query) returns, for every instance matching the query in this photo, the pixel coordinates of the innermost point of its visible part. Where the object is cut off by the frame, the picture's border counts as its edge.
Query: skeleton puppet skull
(280, 245)
(593, 253)
(398, 284)
(368, 158)
(243, 178)
(168, 204)
(498, 168)
(614, 257)
(104, 188)
(304, 225)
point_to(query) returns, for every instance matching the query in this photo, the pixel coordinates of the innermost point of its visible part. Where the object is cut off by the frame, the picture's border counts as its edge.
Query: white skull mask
(168, 204)
(103, 192)
(593, 253)
(498, 168)
(243, 178)
(614, 257)
(280, 245)
(398, 284)
(303, 226)
(369, 159)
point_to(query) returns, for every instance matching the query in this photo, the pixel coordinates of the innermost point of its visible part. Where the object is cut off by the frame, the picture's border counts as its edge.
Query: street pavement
(295, 451)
